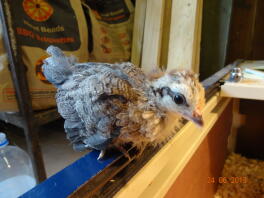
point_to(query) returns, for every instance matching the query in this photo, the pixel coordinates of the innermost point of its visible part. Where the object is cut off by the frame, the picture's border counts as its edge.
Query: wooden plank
(152, 35)
(156, 177)
(200, 176)
(185, 34)
(95, 184)
(165, 35)
(197, 36)
(237, 120)
(242, 30)
(243, 90)
(138, 31)
(258, 39)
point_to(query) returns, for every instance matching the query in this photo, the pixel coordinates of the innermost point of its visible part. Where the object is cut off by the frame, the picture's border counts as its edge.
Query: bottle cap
(3, 140)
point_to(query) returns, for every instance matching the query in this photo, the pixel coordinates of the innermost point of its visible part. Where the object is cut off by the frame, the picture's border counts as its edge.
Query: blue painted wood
(63, 183)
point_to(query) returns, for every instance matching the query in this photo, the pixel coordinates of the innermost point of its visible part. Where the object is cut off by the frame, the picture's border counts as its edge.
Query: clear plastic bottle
(16, 173)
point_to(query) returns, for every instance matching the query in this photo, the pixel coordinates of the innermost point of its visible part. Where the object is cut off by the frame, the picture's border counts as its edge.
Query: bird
(107, 105)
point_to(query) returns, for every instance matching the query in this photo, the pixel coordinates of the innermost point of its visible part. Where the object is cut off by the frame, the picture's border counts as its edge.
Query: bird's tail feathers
(58, 67)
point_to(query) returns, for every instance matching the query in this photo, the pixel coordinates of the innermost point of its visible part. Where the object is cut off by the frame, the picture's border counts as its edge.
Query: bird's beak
(197, 118)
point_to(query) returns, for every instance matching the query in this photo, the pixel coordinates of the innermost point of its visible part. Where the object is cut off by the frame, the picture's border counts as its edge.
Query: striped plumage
(111, 104)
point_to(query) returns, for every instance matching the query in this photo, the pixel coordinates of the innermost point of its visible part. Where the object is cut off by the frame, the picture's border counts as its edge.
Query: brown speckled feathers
(110, 104)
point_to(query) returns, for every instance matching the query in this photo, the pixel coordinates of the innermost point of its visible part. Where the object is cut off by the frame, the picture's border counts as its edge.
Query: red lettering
(24, 32)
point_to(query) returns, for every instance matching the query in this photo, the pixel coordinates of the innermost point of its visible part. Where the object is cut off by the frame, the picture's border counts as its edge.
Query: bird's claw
(127, 156)
(101, 155)
(125, 153)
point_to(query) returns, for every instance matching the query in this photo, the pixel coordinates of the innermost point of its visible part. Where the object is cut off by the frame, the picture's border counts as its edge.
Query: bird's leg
(101, 155)
(141, 149)
(124, 151)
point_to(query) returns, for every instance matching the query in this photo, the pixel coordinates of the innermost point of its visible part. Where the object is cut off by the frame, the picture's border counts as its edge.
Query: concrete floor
(56, 149)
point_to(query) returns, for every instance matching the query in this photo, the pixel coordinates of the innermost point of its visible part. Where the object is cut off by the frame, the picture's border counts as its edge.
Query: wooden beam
(138, 31)
(237, 121)
(242, 29)
(245, 90)
(152, 35)
(185, 33)
(165, 35)
(197, 37)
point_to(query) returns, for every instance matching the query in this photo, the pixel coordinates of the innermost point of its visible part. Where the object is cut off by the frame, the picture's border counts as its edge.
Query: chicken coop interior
(132, 98)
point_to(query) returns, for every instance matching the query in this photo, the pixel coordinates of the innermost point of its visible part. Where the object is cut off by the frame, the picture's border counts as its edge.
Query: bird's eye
(179, 99)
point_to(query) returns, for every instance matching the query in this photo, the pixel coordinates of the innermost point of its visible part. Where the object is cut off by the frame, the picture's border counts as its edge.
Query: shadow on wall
(215, 31)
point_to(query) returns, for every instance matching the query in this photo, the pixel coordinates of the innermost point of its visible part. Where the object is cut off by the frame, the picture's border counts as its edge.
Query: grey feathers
(107, 104)
(59, 62)
(90, 95)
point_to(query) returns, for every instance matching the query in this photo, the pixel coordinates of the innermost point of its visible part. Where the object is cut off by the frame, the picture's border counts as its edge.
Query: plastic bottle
(16, 173)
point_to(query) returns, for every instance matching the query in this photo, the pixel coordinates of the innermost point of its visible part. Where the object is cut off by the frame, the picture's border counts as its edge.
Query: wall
(246, 33)
(215, 30)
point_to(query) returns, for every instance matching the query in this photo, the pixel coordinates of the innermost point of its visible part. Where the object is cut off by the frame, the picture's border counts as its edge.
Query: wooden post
(171, 36)
(197, 37)
(152, 35)
(237, 121)
(185, 32)
(165, 35)
(138, 31)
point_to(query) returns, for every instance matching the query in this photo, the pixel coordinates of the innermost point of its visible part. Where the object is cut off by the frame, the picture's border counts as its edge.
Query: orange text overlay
(230, 180)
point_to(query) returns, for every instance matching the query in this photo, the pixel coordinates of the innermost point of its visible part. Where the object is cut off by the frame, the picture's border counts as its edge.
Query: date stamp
(226, 180)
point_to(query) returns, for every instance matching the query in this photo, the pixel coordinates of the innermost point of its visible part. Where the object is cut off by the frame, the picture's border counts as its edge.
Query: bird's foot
(141, 149)
(124, 151)
(101, 155)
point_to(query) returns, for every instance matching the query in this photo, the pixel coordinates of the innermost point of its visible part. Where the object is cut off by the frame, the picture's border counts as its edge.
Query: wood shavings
(237, 166)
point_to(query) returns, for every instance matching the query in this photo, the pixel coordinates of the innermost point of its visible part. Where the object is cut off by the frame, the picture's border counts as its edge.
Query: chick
(107, 105)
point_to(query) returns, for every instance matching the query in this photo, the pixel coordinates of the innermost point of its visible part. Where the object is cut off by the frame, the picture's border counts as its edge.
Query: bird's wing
(73, 125)
(136, 77)
(126, 71)
(91, 101)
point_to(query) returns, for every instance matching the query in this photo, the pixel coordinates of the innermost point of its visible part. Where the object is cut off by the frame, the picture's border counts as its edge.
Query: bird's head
(180, 92)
